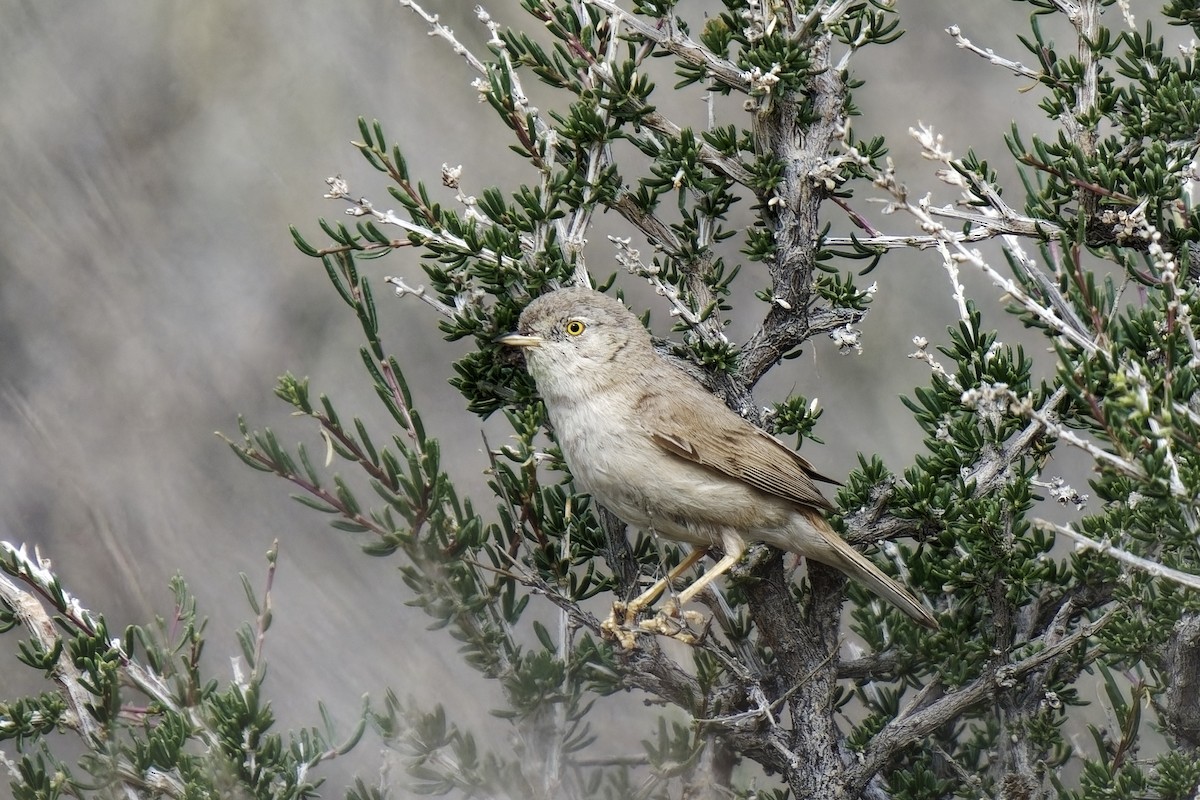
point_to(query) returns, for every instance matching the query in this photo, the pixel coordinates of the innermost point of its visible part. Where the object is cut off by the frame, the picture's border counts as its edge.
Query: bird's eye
(575, 327)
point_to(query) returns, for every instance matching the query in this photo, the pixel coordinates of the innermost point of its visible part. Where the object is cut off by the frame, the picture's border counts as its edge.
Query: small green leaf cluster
(796, 416)
(982, 554)
(955, 434)
(841, 292)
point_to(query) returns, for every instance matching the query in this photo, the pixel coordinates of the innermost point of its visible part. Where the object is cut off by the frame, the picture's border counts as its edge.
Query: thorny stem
(1085, 16)
(322, 494)
(436, 28)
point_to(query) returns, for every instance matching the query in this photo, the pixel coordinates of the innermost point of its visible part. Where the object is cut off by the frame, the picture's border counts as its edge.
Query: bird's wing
(736, 448)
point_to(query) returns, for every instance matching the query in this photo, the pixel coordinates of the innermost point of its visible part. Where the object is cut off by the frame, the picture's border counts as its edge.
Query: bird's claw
(669, 622)
(619, 626)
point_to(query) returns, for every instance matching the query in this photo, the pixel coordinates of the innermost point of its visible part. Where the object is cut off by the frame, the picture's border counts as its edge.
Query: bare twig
(1139, 563)
(436, 28)
(419, 292)
(1016, 67)
(921, 211)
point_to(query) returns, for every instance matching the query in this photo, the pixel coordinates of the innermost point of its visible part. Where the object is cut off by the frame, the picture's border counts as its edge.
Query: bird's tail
(834, 551)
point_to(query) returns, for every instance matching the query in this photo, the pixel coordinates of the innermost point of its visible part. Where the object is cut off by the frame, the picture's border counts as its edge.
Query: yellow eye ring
(575, 327)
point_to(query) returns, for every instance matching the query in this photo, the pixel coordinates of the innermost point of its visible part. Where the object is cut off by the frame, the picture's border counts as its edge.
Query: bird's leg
(734, 548)
(637, 604)
(669, 621)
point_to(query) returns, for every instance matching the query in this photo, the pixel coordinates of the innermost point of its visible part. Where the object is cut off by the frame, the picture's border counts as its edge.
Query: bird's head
(578, 340)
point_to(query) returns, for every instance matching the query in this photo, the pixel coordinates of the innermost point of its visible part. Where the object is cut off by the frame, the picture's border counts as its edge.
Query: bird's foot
(619, 626)
(622, 626)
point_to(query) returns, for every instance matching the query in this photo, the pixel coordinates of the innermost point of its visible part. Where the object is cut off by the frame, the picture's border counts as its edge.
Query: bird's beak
(518, 340)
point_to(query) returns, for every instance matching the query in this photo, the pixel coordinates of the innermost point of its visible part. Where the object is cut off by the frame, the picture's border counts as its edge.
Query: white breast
(632, 477)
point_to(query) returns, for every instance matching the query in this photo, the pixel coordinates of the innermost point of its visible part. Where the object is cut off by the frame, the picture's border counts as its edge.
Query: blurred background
(153, 154)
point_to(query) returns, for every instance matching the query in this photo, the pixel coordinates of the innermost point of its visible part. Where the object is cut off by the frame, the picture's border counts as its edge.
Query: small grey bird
(665, 455)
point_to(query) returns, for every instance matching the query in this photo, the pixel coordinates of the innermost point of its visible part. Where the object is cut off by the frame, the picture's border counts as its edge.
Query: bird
(665, 455)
